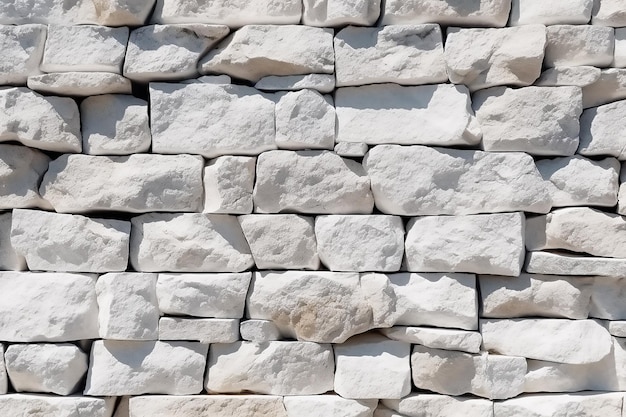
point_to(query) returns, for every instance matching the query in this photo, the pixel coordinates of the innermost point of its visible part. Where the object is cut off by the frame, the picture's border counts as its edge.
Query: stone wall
(344, 208)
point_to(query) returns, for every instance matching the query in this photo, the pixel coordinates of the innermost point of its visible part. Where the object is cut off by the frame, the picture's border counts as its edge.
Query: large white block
(578, 76)
(579, 45)
(326, 13)
(551, 405)
(557, 12)
(248, 405)
(447, 12)
(21, 171)
(600, 129)
(228, 184)
(52, 405)
(324, 83)
(21, 49)
(81, 84)
(434, 405)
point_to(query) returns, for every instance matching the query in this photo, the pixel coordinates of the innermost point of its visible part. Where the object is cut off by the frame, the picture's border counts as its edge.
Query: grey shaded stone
(9, 259)
(22, 48)
(326, 13)
(21, 171)
(579, 45)
(447, 12)
(81, 84)
(324, 83)
(609, 87)
(578, 76)
(248, 405)
(4, 379)
(260, 331)
(548, 405)
(351, 149)
(607, 298)
(122, 13)
(619, 53)
(556, 263)
(201, 330)
(447, 339)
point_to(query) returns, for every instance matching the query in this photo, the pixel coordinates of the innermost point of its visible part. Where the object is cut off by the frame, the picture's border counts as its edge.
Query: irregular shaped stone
(578, 181)
(484, 244)
(128, 306)
(48, 123)
(609, 87)
(84, 48)
(247, 405)
(70, 243)
(47, 11)
(115, 124)
(260, 331)
(21, 170)
(47, 307)
(22, 48)
(311, 182)
(482, 58)
(568, 264)
(600, 129)
(169, 52)
(9, 259)
(382, 411)
(327, 405)
(389, 113)
(209, 79)
(200, 111)
(607, 298)
(455, 373)
(402, 54)
(81, 84)
(548, 405)
(228, 184)
(371, 366)
(324, 83)
(201, 330)
(579, 45)
(360, 243)
(188, 242)
(559, 12)
(511, 123)
(619, 53)
(305, 368)
(555, 340)
(203, 295)
(57, 369)
(434, 405)
(617, 328)
(609, 13)
(578, 76)
(351, 149)
(535, 295)
(82, 183)
(447, 12)
(327, 13)
(451, 181)
(122, 12)
(122, 407)
(281, 241)
(447, 339)
(52, 405)
(4, 379)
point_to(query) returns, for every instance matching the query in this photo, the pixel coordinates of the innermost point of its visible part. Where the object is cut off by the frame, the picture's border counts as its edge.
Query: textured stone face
(25, 404)
(80, 84)
(579, 45)
(4, 379)
(326, 13)
(228, 183)
(260, 331)
(543, 405)
(10, 260)
(202, 330)
(22, 49)
(433, 405)
(21, 170)
(559, 12)
(578, 76)
(609, 13)
(607, 298)
(599, 130)
(447, 339)
(192, 406)
(447, 12)
(324, 83)
(568, 264)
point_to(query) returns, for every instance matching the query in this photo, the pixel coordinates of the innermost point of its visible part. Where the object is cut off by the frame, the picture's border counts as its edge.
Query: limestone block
(372, 366)
(578, 76)
(9, 259)
(57, 369)
(188, 242)
(52, 405)
(607, 298)
(47, 307)
(22, 48)
(70, 243)
(451, 181)
(4, 379)
(200, 111)
(447, 339)
(351, 149)
(327, 405)
(256, 51)
(311, 182)
(203, 295)
(222, 79)
(609, 87)
(609, 13)
(260, 331)
(139, 367)
(305, 368)
(559, 12)
(84, 48)
(324, 83)
(402, 54)
(511, 120)
(568, 264)
(281, 241)
(305, 120)
(483, 243)
(47, 11)
(122, 12)
(48, 123)
(389, 113)
(81, 84)
(21, 170)
(550, 405)
(434, 405)
(617, 328)
(619, 53)
(215, 405)
(228, 184)
(327, 13)
(169, 52)
(201, 330)
(382, 411)
(600, 130)
(555, 340)
(482, 58)
(448, 12)
(579, 45)
(360, 243)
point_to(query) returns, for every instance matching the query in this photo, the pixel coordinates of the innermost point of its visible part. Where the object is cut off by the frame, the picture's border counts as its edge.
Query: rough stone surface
(228, 184)
(248, 405)
(351, 149)
(609, 13)
(434, 405)
(607, 298)
(579, 45)
(617, 328)
(4, 379)
(536, 120)
(578, 76)
(448, 181)
(390, 113)
(548, 405)
(327, 405)
(558, 12)
(448, 339)
(619, 53)
(122, 12)
(21, 170)
(600, 129)
(324, 13)
(201, 330)
(324, 83)
(49, 405)
(10, 260)
(22, 48)
(81, 84)
(568, 264)
(447, 12)
(260, 331)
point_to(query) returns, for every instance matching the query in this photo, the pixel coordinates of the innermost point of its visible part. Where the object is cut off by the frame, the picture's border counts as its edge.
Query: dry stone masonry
(313, 208)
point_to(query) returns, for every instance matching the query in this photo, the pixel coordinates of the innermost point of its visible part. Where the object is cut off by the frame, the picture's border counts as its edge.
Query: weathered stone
(351, 149)
(203, 111)
(619, 53)
(447, 12)
(256, 51)
(568, 264)
(9, 259)
(372, 366)
(203, 295)
(448, 339)
(324, 83)
(188, 242)
(609, 13)
(122, 12)
(281, 241)
(511, 120)
(617, 328)
(382, 411)
(556, 340)
(600, 130)
(558, 12)
(547, 405)
(134, 368)
(52, 405)
(21, 51)
(483, 243)
(70, 243)
(451, 181)
(21, 170)
(327, 13)
(80, 84)
(4, 379)
(228, 184)
(579, 45)
(402, 54)
(609, 87)
(56, 369)
(260, 331)
(327, 405)
(390, 113)
(607, 298)
(47, 307)
(482, 58)
(222, 79)
(201, 330)
(248, 405)
(578, 76)
(434, 405)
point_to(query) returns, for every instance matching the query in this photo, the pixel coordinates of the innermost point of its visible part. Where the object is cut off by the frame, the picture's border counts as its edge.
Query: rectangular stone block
(447, 12)
(558, 12)
(434, 405)
(447, 339)
(10, 260)
(22, 48)
(549, 405)
(327, 13)
(607, 298)
(327, 405)
(228, 184)
(248, 405)
(202, 330)
(569, 45)
(599, 130)
(556, 263)
(52, 405)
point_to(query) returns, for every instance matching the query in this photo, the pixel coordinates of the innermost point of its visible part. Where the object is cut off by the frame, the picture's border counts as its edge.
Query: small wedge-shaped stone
(579, 45)
(277, 368)
(621, 203)
(311, 182)
(609, 87)
(417, 180)
(80, 84)
(600, 130)
(552, 405)
(134, 368)
(578, 76)
(122, 12)
(10, 260)
(325, 13)
(609, 13)
(388, 113)
(21, 170)
(47, 307)
(228, 184)
(483, 244)
(481, 58)
(448, 339)
(568, 264)
(434, 405)
(209, 117)
(188, 242)
(324, 83)
(555, 340)
(201, 330)
(53, 368)
(211, 405)
(512, 120)
(70, 243)
(447, 12)
(619, 53)
(48, 123)
(53, 405)
(402, 54)
(21, 49)
(256, 51)
(260, 331)
(557, 12)
(607, 298)
(327, 405)
(169, 52)
(84, 183)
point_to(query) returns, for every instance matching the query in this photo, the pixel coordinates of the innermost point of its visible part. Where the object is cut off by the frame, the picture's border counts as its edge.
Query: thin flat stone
(555, 263)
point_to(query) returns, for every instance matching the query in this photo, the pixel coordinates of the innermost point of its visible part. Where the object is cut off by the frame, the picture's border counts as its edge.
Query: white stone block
(568, 264)
(327, 13)
(21, 51)
(81, 84)
(10, 260)
(447, 339)
(21, 170)
(327, 405)
(447, 12)
(617, 328)
(324, 83)
(558, 12)
(4, 379)
(434, 405)
(122, 12)
(228, 184)
(609, 13)
(578, 76)
(351, 149)
(45, 11)
(248, 405)
(619, 53)
(201, 330)
(550, 405)
(609, 87)
(579, 45)
(52, 405)
(607, 298)
(600, 130)
(260, 331)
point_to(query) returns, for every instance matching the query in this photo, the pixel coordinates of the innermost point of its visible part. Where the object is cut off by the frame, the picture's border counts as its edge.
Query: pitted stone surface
(52, 405)
(326, 13)
(218, 405)
(201, 330)
(548, 405)
(447, 339)
(579, 45)
(21, 171)
(21, 51)
(578, 76)
(434, 405)
(260, 331)
(447, 12)
(10, 260)
(81, 84)
(228, 183)
(558, 12)
(556, 263)
(324, 83)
